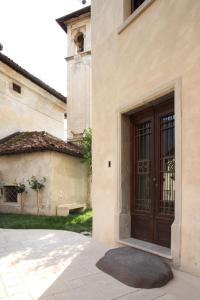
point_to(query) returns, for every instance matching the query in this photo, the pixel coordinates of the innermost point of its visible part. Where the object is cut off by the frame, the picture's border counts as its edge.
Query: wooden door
(153, 174)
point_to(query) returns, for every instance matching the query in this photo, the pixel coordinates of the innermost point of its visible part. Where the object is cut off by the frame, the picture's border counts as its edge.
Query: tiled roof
(9, 62)
(34, 141)
(61, 21)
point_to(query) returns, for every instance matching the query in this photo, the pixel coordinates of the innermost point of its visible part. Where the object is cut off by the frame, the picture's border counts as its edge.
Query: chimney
(1, 47)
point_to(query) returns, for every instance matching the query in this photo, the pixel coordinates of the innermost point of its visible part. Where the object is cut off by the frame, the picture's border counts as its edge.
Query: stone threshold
(148, 247)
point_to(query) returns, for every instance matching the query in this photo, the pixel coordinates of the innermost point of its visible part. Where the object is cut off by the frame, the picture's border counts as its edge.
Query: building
(27, 103)
(77, 25)
(145, 117)
(39, 154)
(31, 144)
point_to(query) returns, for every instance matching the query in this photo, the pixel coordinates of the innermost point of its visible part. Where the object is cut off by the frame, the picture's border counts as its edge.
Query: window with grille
(10, 193)
(135, 4)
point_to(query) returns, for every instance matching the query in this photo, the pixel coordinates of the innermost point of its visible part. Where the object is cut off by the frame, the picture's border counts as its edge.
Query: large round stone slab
(136, 268)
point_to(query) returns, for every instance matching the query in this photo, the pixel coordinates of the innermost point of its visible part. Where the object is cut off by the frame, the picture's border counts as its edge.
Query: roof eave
(61, 21)
(10, 63)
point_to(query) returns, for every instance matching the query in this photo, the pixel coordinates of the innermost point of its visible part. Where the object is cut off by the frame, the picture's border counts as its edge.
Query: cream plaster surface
(70, 181)
(79, 77)
(66, 181)
(159, 46)
(33, 109)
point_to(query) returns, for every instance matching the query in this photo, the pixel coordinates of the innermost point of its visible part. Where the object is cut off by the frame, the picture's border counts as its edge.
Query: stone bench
(63, 209)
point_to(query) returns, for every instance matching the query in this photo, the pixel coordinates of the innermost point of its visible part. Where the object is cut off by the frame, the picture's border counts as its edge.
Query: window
(135, 4)
(79, 41)
(16, 88)
(10, 193)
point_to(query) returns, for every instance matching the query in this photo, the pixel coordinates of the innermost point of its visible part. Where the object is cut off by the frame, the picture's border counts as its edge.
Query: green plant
(86, 144)
(20, 187)
(37, 185)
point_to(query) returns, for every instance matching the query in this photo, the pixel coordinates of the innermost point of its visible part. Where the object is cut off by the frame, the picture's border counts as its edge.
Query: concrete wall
(157, 46)
(66, 180)
(79, 78)
(33, 109)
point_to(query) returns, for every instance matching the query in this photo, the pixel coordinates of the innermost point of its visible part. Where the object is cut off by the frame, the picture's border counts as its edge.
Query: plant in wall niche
(37, 185)
(20, 188)
(86, 144)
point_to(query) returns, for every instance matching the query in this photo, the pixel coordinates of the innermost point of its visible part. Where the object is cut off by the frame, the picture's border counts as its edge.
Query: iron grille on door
(167, 161)
(143, 132)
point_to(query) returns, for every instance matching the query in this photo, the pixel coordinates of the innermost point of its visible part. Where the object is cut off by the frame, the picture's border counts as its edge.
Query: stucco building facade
(31, 143)
(27, 103)
(145, 113)
(39, 154)
(77, 25)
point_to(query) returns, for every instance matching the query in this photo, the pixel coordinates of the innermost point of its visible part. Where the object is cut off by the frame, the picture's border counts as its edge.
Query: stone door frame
(122, 209)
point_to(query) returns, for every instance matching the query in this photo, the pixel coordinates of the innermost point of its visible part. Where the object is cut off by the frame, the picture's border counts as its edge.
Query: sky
(33, 39)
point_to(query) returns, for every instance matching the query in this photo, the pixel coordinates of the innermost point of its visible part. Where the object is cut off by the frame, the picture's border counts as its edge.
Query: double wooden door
(153, 174)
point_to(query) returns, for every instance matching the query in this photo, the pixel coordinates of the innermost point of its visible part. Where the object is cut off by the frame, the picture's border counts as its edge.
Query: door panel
(153, 180)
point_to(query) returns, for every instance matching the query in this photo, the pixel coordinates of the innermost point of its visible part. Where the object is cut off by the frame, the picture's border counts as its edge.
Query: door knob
(154, 179)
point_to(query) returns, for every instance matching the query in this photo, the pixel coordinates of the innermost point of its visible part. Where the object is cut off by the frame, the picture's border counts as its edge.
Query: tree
(37, 185)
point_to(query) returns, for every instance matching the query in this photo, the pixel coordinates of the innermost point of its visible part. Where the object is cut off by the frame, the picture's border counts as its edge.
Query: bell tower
(77, 25)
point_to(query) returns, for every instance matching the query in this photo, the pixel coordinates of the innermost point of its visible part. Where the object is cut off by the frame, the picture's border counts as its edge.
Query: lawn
(77, 222)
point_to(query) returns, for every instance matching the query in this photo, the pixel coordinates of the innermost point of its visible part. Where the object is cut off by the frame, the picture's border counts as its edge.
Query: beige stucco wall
(69, 181)
(33, 109)
(22, 167)
(159, 46)
(66, 180)
(79, 77)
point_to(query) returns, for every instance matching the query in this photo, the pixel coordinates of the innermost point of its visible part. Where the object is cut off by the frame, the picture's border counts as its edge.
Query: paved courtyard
(59, 265)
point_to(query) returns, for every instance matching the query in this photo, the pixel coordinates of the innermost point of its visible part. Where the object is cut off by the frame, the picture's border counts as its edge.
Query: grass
(77, 222)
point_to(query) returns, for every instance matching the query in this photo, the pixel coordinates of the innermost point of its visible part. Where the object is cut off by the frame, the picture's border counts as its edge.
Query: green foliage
(87, 148)
(36, 184)
(77, 222)
(20, 187)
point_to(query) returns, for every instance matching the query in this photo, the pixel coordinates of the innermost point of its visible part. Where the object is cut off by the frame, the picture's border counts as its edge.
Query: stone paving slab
(56, 265)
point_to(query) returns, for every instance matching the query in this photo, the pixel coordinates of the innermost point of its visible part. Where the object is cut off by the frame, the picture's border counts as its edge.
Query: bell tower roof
(63, 21)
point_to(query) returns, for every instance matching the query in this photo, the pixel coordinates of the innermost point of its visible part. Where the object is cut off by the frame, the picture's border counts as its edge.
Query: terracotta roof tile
(34, 141)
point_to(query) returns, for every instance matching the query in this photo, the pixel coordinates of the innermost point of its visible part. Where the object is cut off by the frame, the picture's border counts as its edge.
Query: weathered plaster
(66, 180)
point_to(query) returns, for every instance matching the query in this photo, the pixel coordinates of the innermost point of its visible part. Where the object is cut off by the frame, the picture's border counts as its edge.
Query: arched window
(79, 41)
